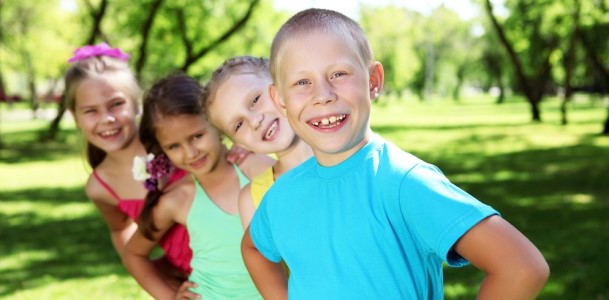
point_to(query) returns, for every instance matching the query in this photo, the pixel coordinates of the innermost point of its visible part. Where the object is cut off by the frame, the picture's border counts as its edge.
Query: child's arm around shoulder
(120, 225)
(246, 205)
(514, 267)
(254, 164)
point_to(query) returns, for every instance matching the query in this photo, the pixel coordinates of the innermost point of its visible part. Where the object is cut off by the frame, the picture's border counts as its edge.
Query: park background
(510, 100)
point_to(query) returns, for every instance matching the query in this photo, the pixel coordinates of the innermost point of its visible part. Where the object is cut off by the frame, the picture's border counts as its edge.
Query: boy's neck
(292, 157)
(332, 159)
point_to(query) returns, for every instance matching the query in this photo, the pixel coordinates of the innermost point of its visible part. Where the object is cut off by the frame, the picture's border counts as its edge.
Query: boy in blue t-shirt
(364, 219)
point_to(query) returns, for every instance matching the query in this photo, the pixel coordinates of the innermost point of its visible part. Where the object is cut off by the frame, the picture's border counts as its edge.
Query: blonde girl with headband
(102, 94)
(175, 131)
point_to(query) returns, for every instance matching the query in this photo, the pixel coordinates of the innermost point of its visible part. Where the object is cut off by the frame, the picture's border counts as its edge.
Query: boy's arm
(269, 277)
(514, 267)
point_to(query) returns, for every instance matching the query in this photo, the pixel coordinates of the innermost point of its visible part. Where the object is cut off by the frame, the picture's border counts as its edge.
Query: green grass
(548, 180)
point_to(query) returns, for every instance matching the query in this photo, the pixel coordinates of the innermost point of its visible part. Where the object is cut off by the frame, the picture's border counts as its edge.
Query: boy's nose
(324, 93)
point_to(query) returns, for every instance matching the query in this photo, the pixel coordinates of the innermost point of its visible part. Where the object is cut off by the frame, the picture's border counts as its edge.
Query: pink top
(175, 242)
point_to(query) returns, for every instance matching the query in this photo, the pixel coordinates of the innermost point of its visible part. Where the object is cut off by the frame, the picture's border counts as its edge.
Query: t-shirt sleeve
(260, 232)
(439, 211)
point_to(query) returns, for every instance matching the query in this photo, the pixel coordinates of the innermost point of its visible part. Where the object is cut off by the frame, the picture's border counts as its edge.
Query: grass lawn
(550, 181)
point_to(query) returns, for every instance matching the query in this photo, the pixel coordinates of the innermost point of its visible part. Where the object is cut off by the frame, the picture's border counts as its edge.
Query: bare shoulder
(97, 193)
(246, 205)
(175, 202)
(254, 164)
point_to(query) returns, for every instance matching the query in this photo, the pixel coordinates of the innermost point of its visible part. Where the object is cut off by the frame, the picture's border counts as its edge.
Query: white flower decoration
(139, 171)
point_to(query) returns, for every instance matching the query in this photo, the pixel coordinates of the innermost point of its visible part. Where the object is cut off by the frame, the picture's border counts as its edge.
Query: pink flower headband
(99, 49)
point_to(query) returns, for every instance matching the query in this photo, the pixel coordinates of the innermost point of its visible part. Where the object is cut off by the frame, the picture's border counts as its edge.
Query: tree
(176, 23)
(532, 28)
(97, 15)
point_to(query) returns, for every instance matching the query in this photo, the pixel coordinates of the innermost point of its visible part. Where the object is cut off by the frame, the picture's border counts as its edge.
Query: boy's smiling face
(325, 91)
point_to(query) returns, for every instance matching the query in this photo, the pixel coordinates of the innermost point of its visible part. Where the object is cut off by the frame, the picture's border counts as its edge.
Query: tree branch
(190, 59)
(146, 28)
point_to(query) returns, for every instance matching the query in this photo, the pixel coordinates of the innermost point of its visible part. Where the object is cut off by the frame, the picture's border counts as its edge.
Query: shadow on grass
(25, 146)
(559, 199)
(38, 247)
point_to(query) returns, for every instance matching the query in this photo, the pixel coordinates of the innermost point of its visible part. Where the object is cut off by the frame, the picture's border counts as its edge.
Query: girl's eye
(88, 111)
(302, 82)
(117, 103)
(255, 100)
(171, 147)
(238, 126)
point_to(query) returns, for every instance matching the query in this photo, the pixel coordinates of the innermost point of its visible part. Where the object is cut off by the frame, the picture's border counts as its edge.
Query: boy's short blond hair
(320, 20)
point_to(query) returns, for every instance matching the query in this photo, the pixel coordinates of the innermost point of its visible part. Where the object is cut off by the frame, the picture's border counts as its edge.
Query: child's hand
(236, 154)
(185, 293)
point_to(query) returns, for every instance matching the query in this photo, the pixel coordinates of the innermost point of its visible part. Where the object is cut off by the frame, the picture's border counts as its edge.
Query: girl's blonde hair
(232, 66)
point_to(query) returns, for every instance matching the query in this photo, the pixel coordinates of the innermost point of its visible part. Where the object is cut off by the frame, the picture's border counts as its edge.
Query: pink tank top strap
(106, 186)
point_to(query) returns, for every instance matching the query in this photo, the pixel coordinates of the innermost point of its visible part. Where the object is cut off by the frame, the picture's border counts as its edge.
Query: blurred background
(530, 48)
(509, 97)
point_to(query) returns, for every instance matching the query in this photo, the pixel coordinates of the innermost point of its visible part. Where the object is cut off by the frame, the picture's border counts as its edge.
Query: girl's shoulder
(177, 199)
(97, 192)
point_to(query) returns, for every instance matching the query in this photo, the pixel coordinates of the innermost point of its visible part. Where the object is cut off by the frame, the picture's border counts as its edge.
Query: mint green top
(215, 240)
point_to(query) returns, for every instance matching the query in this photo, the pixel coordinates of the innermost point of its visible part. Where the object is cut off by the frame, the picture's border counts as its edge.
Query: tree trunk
(146, 27)
(568, 65)
(96, 31)
(532, 86)
(606, 125)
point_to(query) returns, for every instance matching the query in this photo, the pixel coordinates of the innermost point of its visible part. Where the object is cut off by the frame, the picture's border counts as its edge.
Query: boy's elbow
(541, 273)
(535, 275)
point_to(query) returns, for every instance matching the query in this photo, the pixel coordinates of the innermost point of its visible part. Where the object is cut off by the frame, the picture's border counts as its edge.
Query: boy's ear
(377, 77)
(276, 99)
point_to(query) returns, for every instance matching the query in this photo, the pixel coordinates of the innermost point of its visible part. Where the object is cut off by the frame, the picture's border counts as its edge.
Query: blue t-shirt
(377, 226)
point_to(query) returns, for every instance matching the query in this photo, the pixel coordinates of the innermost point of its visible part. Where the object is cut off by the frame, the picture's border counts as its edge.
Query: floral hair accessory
(96, 50)
(150, 169)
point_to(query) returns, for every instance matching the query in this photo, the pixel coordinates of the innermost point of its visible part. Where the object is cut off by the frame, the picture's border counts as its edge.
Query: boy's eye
(338, 74)
(239, 124)
(88, 111)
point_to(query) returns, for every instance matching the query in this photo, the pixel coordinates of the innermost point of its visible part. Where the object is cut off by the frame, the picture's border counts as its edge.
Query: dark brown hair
(174, 95)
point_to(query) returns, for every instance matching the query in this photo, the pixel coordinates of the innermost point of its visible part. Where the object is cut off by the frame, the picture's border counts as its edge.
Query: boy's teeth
(330, 120)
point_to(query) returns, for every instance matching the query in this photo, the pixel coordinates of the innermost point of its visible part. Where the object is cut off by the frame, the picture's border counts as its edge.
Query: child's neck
(124, 157)
(291, 157)
(219, 173)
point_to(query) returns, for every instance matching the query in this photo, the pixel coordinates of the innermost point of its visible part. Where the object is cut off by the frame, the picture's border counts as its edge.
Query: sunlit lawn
(550, 181)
